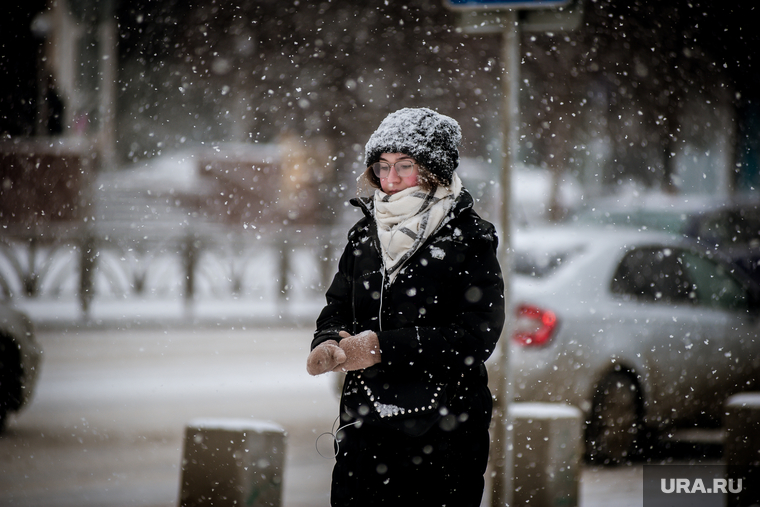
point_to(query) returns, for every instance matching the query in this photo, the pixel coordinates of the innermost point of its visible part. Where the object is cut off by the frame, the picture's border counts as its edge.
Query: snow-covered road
(105, 427)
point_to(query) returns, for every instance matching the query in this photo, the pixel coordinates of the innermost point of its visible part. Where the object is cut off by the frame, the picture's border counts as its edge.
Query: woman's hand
(361, 351)
(325, 357)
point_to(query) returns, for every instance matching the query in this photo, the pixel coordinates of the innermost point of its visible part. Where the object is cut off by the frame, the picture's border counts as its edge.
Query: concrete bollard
(232, 462)
(548, 445)
(741, 448)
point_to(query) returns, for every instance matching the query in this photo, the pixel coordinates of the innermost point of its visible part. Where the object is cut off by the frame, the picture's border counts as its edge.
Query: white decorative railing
(206, 261)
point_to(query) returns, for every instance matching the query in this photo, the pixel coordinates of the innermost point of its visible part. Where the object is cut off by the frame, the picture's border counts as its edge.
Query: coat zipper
(382, 290)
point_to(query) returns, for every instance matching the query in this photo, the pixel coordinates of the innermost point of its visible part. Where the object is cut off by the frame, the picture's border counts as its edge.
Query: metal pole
(503, 468)
(107, 41)
(190, 253)
(87, 264)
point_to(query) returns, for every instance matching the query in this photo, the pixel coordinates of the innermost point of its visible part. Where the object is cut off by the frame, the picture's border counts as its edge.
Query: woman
(413, 313)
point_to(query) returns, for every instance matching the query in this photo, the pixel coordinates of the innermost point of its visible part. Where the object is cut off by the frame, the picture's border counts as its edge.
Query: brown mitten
(362, 351)
(325, 357)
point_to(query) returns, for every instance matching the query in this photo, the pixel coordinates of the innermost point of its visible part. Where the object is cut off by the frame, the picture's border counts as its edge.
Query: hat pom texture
(432, 139)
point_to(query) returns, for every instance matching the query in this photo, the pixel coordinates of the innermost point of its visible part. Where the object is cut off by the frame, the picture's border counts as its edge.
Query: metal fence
(120, 261)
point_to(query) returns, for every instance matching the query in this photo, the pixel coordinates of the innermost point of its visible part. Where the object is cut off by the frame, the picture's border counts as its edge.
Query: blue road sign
(505, 4)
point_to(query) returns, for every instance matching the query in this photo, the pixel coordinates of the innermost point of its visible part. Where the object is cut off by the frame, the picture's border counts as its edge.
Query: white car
(642, 331)
(20, 357)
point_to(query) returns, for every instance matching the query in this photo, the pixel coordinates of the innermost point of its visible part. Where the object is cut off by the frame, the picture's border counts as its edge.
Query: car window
(675, 276)
(714, 285)
(653, 274)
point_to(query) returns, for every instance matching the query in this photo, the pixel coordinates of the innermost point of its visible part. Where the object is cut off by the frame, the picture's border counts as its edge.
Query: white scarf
(407, 218)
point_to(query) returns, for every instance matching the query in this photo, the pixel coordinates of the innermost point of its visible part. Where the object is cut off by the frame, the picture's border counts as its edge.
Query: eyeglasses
(403, 168)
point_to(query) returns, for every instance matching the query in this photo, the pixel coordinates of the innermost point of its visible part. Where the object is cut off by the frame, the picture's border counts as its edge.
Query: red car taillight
(533, 326)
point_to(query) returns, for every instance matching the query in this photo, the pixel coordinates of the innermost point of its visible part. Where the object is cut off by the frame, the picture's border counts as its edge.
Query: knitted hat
(428, 137)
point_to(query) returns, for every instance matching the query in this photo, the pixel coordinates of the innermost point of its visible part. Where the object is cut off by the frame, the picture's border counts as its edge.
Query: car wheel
(614, 425)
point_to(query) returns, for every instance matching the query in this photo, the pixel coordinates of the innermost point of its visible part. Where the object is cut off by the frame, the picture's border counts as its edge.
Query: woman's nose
(393, 175)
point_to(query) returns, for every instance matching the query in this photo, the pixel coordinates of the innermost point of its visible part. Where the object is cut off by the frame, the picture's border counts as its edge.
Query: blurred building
(661, 97)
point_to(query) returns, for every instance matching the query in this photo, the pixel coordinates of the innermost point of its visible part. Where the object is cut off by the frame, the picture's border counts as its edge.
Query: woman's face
(393, 183)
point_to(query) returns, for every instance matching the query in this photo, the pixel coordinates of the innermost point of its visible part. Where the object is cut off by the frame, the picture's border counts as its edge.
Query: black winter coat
(437, 322)
(441, 316)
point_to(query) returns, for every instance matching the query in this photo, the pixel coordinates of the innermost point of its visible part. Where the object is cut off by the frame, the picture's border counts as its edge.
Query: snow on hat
(428, 137)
